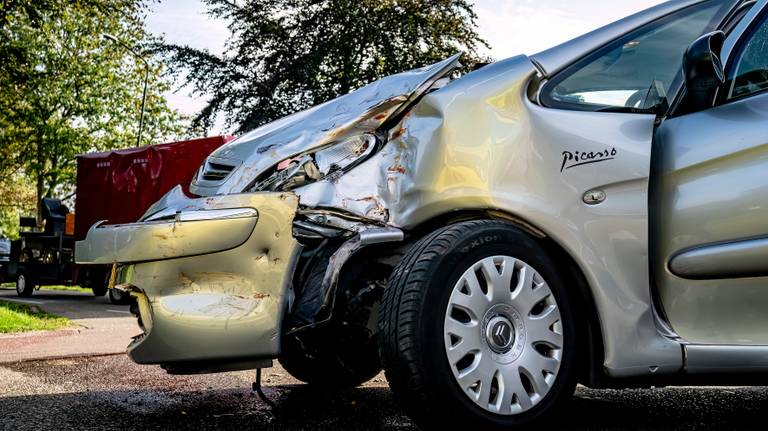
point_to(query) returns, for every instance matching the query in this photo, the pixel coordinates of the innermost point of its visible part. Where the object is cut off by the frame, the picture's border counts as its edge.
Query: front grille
(214, 171)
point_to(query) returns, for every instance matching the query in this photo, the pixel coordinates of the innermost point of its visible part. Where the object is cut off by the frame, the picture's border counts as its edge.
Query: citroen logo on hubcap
(500, 334)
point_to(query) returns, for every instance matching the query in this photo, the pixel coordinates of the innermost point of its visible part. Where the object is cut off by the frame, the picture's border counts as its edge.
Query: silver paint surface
(746, 258)
(726, 359)
(713, 189)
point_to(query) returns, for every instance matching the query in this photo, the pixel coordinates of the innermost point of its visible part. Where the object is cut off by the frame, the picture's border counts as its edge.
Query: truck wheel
(119, 297)
(477, 329)
(24, 284)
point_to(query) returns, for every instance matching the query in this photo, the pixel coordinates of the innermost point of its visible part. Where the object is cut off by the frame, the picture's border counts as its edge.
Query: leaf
(286, 55)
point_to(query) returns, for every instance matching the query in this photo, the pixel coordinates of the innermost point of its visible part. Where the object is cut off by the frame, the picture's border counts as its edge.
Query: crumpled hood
(233, 167)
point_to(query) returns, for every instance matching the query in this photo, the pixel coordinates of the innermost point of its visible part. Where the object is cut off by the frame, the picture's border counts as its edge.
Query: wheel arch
(592, 372)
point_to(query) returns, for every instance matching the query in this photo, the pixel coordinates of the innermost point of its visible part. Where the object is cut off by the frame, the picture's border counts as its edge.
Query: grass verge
(59, 287)
(67, 288)
(19, 317)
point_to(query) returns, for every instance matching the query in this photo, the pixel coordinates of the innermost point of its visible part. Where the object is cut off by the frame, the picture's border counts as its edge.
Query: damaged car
(596, 213)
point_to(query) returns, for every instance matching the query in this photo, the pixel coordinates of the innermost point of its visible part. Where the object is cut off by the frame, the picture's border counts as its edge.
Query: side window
(637, 71)
(750, 71)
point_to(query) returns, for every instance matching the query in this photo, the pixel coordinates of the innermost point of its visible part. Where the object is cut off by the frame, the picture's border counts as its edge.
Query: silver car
(596, 213)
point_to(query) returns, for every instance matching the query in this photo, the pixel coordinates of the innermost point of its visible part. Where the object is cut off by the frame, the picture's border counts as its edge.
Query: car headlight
(326, 163)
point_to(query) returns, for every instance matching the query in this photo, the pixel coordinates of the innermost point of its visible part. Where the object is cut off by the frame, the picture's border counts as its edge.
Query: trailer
(114, 187)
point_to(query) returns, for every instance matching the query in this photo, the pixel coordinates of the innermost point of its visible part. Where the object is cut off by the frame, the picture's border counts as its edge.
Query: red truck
(116, 186)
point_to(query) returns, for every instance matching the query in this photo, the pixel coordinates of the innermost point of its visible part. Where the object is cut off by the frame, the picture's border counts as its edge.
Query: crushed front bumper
(210, 290)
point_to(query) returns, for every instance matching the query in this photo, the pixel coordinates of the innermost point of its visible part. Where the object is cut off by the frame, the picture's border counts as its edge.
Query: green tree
(64, 90)
(286, 55)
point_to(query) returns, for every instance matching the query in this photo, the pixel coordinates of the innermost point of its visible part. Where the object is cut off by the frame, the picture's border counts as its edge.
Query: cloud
(514, 27)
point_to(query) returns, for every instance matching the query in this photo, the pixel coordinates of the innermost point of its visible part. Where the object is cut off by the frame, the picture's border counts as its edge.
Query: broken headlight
(324, 164)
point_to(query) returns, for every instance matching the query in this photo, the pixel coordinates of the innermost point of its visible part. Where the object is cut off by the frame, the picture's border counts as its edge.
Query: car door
(709, 205)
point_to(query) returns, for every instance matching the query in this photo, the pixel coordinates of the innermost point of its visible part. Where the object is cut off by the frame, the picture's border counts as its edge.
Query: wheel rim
(21, 283)
(503, 335)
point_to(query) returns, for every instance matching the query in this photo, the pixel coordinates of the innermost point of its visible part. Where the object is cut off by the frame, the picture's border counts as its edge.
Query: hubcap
(21, 283)
(503, 335)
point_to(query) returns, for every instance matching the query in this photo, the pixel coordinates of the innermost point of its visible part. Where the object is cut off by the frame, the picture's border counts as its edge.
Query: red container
(119, 186)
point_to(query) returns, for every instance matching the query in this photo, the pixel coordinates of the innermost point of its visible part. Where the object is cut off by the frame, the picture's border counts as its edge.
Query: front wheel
(476, 321)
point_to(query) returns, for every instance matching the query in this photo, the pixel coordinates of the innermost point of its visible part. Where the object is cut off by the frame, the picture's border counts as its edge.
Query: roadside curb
(33, 334)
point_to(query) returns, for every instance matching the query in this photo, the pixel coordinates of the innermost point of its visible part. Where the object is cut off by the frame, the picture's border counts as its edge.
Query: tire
(25, 285)
(118, 297)
(97, 281)
(427, 305)
(335, 365)
(343, 353)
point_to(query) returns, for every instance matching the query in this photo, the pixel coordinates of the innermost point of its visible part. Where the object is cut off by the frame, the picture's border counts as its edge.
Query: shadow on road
(300, 408)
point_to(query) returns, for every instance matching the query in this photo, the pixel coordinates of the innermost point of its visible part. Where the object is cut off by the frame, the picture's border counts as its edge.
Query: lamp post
(146, 79)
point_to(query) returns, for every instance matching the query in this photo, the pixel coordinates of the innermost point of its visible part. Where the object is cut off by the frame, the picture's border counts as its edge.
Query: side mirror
(703, 69)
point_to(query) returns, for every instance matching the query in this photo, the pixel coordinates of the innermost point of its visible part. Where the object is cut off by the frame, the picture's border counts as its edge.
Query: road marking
(24, 301)
(118, 311)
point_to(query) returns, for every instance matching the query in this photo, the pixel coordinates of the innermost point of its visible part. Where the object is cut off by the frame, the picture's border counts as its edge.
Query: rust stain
(160, 235)
(396, 166)
(260, 295)
(184, 280)
(276, 260)
(398, 133)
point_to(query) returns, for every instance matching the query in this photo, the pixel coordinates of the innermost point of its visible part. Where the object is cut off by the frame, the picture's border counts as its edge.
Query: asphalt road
(113, 393)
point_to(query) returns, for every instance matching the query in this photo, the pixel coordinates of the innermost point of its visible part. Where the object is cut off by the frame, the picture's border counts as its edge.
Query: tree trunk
(39, 197)
(40, 180)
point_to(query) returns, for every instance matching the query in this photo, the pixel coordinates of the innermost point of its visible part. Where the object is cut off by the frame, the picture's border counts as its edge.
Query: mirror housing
(703, 70)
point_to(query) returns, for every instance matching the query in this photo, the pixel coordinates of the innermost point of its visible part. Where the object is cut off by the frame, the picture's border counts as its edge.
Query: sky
(511, 27)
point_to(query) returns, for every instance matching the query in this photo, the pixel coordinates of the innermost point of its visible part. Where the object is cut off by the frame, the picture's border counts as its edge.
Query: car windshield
(636, 72)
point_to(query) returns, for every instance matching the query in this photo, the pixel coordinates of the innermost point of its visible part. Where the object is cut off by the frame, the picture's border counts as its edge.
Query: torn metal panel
(437, 158)
(220, 305)
(361, 111)
(316, 307)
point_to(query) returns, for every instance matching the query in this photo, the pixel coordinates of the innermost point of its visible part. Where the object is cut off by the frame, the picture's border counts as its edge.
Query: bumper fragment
(208, 290)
